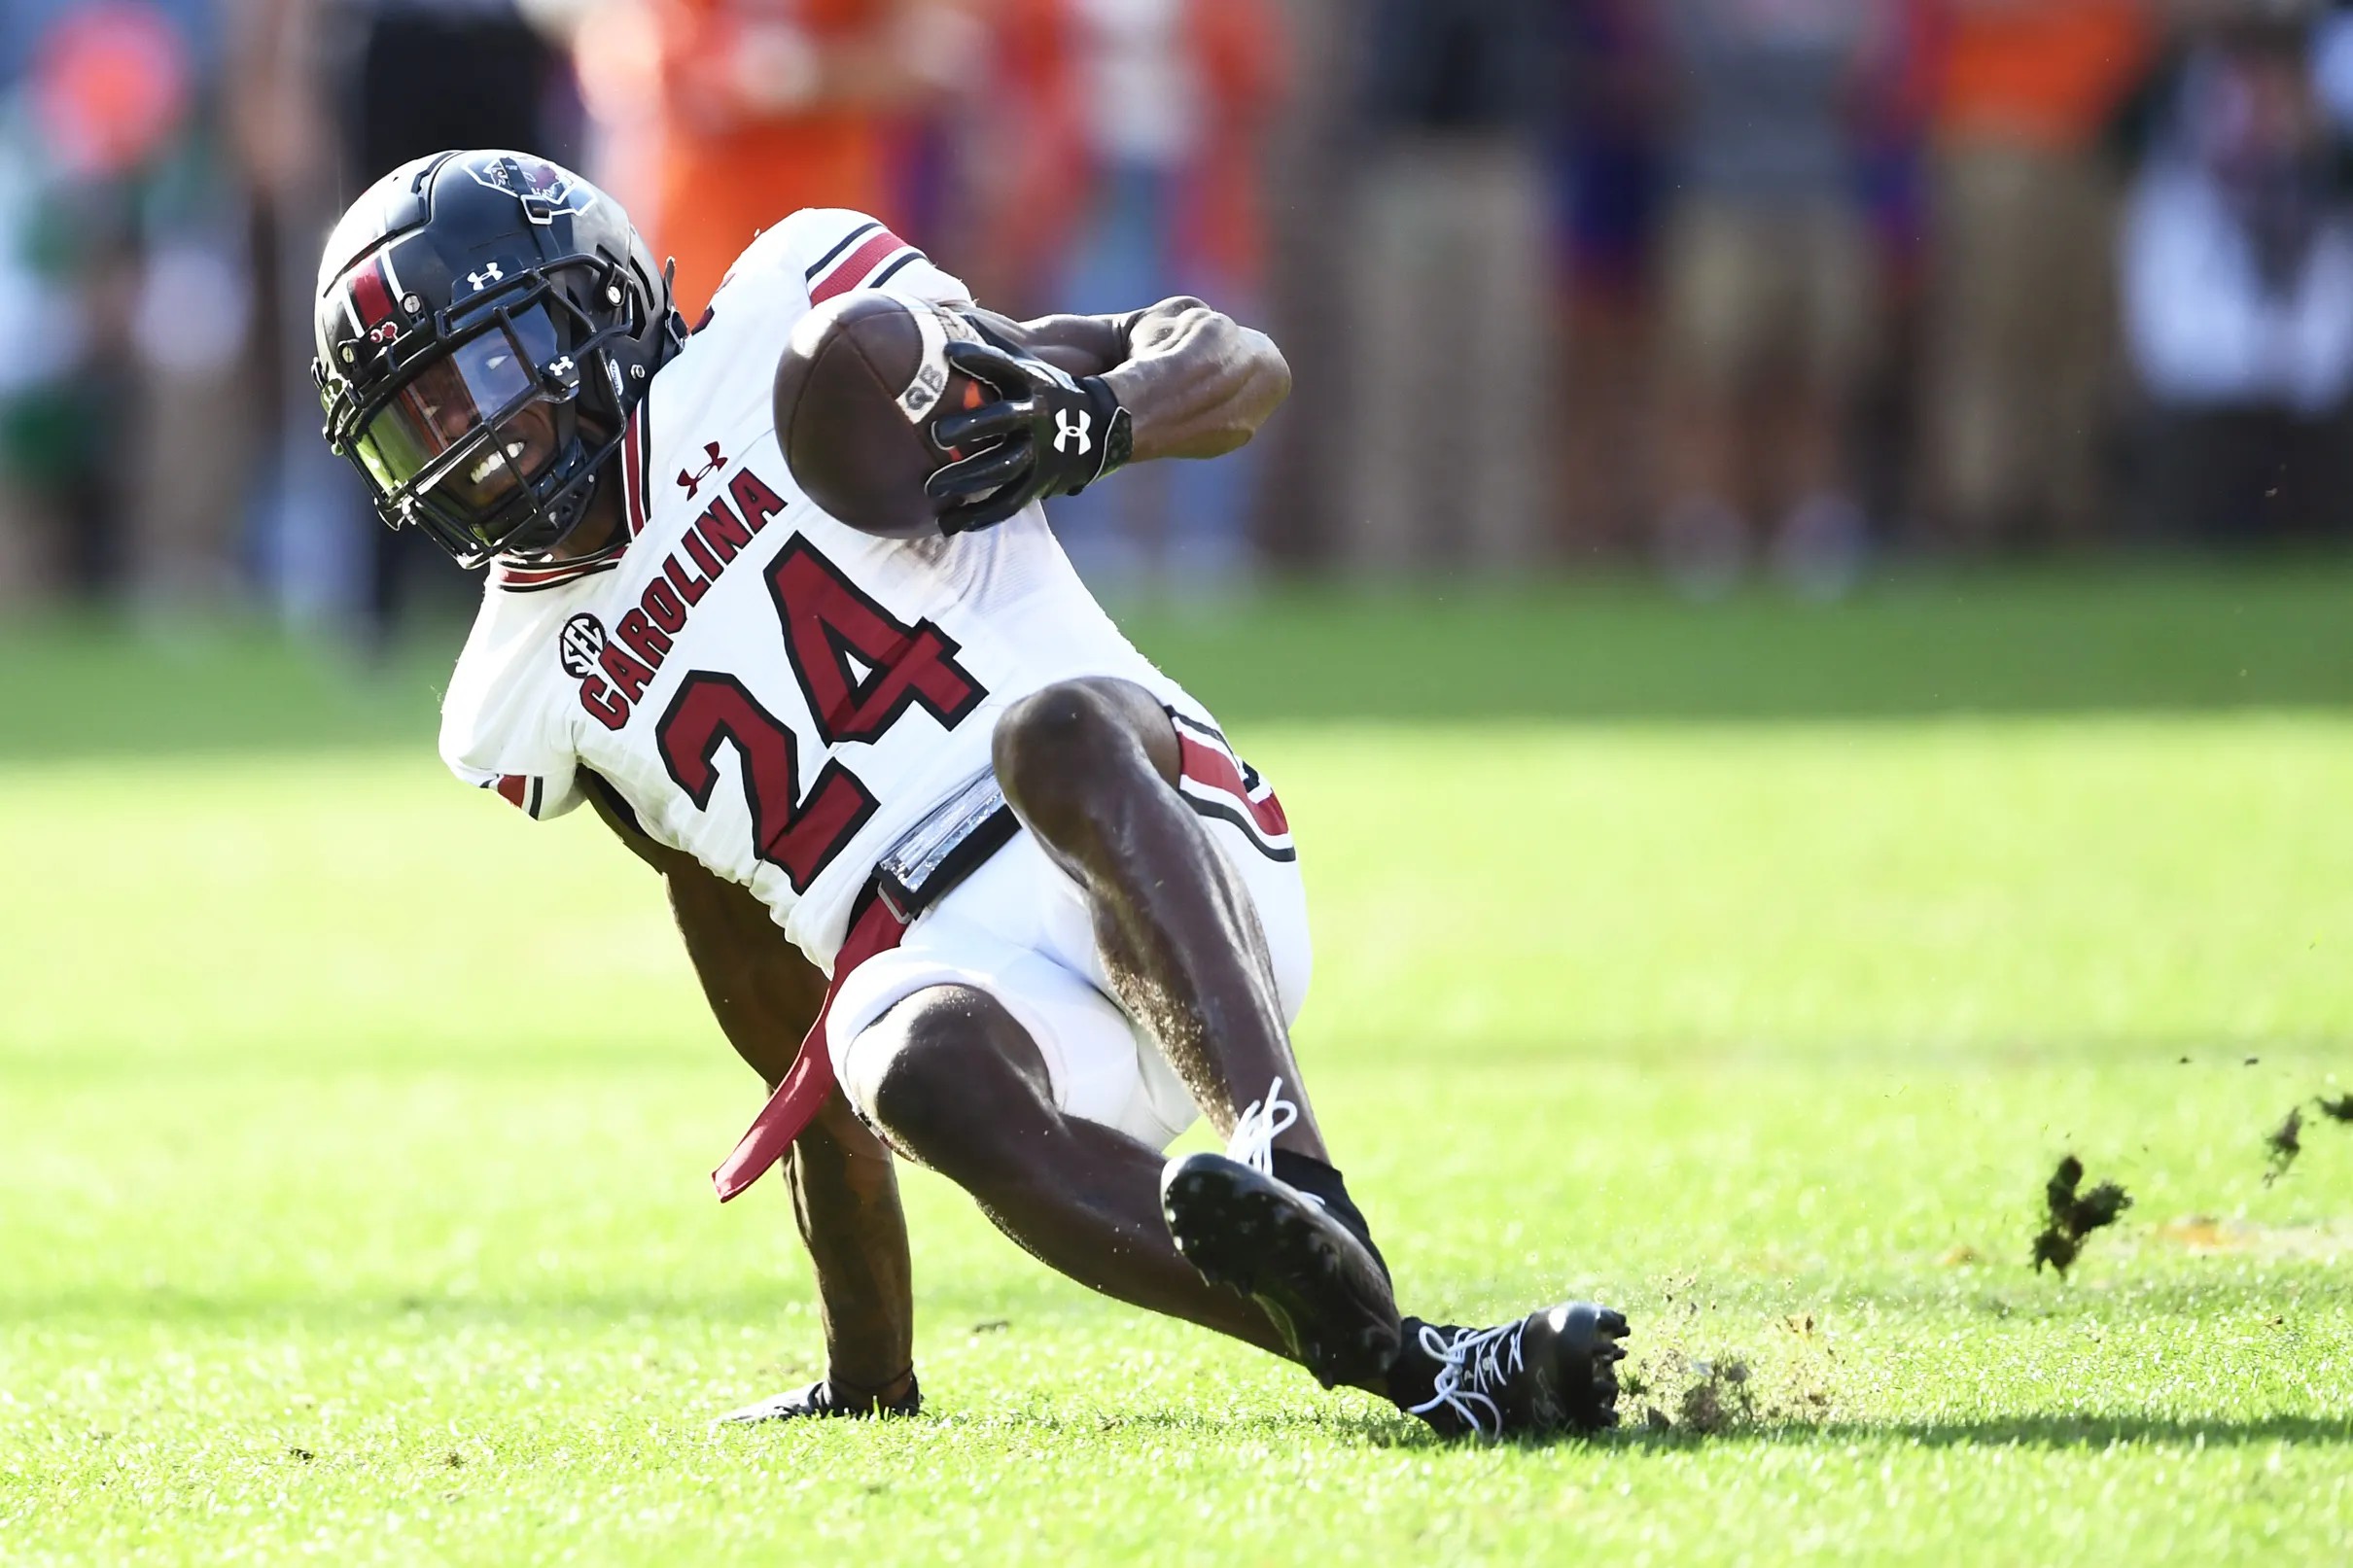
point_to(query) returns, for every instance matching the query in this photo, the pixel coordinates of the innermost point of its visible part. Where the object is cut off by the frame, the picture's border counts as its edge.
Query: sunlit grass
(356, 1133)
(353, 1134)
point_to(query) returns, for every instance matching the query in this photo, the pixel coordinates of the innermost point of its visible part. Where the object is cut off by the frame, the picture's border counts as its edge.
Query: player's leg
(956, 1082)
(1090, 768)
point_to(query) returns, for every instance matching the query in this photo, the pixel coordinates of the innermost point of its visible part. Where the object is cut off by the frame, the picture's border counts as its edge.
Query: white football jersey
(768, 690)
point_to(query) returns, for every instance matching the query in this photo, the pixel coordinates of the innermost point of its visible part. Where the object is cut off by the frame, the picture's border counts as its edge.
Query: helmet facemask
(491, 438)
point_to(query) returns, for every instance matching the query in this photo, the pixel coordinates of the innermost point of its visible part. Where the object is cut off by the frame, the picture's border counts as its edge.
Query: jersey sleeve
(500, 729)
(538, 795)
(821, 251)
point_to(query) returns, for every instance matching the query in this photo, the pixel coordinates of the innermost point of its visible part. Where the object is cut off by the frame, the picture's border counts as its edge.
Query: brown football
(857, 390)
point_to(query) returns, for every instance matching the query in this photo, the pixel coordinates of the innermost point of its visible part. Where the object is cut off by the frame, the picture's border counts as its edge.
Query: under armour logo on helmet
(1069, 425)
(486, 277)
(692, 483)
(561, 367)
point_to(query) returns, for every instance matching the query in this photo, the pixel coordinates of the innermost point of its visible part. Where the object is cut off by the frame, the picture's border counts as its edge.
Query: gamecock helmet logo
(542, 187)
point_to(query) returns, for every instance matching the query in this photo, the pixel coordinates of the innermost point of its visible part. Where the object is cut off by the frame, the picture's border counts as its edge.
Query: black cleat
(1318, 1283)
(1553, 1370)
(819, 1401)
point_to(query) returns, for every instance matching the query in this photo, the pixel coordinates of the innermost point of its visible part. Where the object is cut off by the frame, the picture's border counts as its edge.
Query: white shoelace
(1471, 1362)
(1254, 1131)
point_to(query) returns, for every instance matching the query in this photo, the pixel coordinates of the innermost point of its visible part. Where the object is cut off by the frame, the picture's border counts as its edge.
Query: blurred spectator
(192, 424)
(1821, 237)
(1453, 376)
(2021, 302)
(122, 456)
(2238, 296)
(41, 311)
(1167, 101)
(42, 315)
(1608, 183)
(335, 94)
(1770, 284)
(757, 108)
(1893, 138)
(433, 74)
(1022, 157)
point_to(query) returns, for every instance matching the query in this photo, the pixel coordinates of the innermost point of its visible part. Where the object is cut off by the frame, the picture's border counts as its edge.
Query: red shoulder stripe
(853, 268)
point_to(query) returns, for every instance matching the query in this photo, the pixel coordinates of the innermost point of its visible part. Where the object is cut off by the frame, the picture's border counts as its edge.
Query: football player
(919, 805)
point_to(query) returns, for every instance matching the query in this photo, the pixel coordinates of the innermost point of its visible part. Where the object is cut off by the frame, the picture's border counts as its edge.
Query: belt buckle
(897, 896)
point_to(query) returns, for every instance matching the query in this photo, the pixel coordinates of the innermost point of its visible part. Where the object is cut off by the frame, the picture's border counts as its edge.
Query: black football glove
(1054, 435)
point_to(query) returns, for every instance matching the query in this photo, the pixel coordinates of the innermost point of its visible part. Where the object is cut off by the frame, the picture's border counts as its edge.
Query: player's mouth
(494, 460)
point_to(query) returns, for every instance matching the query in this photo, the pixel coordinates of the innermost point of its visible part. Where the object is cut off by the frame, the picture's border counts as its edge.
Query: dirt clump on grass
(1681, 1390)
(1710, 1396)
(2074, 1214)
(1719, 1397)
(1701, 1395)
(2283, 1143)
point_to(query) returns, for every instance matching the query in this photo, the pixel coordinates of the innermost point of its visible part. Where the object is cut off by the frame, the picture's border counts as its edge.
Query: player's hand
(1053, 434)
(823, 1399)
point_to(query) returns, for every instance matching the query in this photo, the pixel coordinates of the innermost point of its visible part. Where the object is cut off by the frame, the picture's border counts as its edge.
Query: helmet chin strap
(600, 526)
(592, 505)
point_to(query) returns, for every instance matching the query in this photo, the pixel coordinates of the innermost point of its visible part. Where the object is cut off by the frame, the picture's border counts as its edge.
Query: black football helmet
(486, 322)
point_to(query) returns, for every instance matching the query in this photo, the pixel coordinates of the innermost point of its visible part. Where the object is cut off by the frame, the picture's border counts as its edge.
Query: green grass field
(1749, 969)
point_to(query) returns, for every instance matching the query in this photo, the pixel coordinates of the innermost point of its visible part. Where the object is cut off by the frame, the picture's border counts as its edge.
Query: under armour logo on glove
(1046, 434)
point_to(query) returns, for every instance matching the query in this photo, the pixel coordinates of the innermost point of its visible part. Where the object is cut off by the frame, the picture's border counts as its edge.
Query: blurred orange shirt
(724, 172)
(1241, 52)
(2044, 72)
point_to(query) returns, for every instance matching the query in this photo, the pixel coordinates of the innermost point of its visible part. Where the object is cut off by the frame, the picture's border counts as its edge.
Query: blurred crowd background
(1716, 289)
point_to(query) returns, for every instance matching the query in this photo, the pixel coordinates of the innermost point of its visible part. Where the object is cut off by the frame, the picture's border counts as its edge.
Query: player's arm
(845, 1195)
(1083, 395)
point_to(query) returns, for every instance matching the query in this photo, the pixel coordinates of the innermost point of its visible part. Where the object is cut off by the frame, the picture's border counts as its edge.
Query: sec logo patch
(583, 641)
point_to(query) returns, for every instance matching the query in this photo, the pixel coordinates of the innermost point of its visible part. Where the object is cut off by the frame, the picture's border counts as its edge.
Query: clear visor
(475, 426)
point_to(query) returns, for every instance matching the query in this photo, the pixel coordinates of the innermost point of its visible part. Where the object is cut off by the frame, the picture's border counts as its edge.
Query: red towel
(810, 1080)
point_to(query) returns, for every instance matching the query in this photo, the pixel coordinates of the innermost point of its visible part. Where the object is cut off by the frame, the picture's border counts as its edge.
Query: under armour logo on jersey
(692, 483)
(1073, 427)
(486, 277)
(581, 642)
